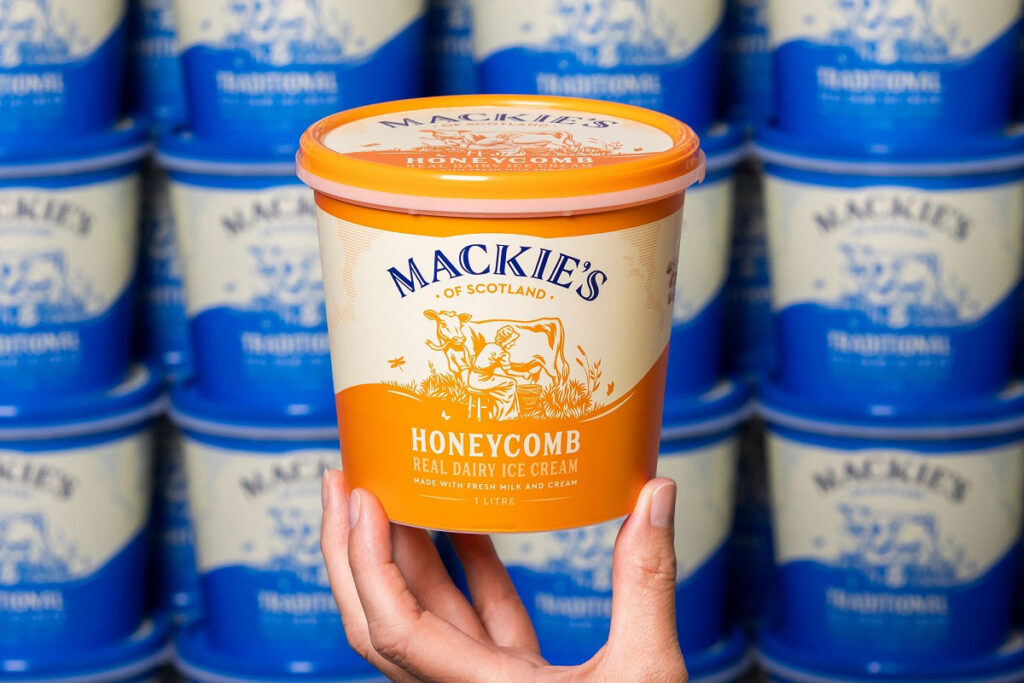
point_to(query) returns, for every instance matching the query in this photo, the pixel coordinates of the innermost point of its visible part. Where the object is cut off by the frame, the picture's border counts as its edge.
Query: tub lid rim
(999, 415)
(725, 145)
(182, 151)
(723, 662)
(1003, 666)
(136, 399)
(126, 143)
(146, 649)
(971, 155)
(724, 406)
(648, 177)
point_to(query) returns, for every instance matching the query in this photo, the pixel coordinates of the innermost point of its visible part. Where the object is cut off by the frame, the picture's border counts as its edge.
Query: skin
(402, 612)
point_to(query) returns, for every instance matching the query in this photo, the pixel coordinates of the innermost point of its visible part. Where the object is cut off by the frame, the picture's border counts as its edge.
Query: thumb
(644, 580)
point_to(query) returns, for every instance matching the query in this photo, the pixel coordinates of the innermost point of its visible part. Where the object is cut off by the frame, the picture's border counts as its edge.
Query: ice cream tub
(267, 70)
(254, 298)
(61, 67)
(158, 87)
(452, 68)
(894, 274)
(68, 225)
(659, 54)
(896, 537)
(893, 69)
(748, 89)
(137, 658)
(749, 334)
(525, 251)
(177, 580)
(702, 267)
(784, 664)
(75, 480)
(565, 577)
(254, 496)
(163, 325)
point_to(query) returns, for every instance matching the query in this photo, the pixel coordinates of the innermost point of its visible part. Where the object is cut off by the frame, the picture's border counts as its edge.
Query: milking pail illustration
(659, 54)
(527, 258)
(893, 68)
(69, 229)
(61, 67)
(273, 68)
(894, 277)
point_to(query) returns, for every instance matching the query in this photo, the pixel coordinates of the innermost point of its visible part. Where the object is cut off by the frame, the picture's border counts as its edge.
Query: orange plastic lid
(499, 154)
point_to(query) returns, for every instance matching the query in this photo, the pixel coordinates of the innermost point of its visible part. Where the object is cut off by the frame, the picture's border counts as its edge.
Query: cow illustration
(600, 32)
(28, 34)
(895, 548)
(35, 290)
(587, 555)
(539, 353)
(26, 554)
(505, 144)
(290, 284)
(897, 288)
(296, 536)
(888, 31)
(281, 31)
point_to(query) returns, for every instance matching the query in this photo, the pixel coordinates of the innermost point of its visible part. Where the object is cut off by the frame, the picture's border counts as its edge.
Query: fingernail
(663, 506)
(325, 490)
(353, 509)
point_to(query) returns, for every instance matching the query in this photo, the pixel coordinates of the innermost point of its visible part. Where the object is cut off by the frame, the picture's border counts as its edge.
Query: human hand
(402, 612)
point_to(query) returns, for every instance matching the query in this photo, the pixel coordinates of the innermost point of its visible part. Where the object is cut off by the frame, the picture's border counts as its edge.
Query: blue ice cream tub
(904, 69)
(177, 579)
(702, 267)
(157, 82)
(748, 92)
(894, 272)
(138, 658)
(68, 225)
(254, 493)
(749, 335)
(783, 664)
(565, 577)
(61, 67)
(163, 325)
(451, 69)
(75, 480)
(659, 54)
(247, 239)
(268, 70)
(896, 536)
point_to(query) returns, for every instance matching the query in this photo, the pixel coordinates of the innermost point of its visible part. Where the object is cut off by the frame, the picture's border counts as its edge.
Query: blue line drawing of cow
(31, 33)
(28, 553)
(897, 549)
(607, 33)
(283, 32)
(891, 31)
(296, 538)
(289, 284)
(36, 289)
(586, 556)
(897, 288)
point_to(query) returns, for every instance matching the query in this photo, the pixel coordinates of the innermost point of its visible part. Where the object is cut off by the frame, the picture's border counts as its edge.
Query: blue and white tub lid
(126, 143)
(723, 662)
(138, 398)
(184, 152)
(200, 662)
(722, 408)
(724, 146)
(134, 658)
(788, 665)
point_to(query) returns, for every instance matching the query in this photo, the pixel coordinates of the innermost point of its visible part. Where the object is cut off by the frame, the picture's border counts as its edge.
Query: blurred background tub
(451, 69)
(157, 87)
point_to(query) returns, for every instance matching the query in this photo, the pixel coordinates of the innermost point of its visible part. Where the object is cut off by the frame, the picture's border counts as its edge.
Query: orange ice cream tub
(499, 275)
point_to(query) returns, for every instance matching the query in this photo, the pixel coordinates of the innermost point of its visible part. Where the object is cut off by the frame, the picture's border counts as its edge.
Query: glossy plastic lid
(125, 143)
(724, 146)
(723, 407)
(499, 154)
(199, 661)
(139, 654)
(139, 397)
(723, 662)
(785, 664)
(184, 151)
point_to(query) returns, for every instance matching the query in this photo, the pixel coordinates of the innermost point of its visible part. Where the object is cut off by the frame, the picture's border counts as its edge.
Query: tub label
(486, 139)
(67, 261)
(179, 581)
(703, 248)
(258, 540)
(509, 368)
(902, 285)
(565, 577)
(71, 524)
(253, 286)
(886, 541)
(625, 50)
(452, 68)
(157, 68)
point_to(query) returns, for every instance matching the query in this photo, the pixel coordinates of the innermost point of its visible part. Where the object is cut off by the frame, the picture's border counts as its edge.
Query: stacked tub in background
(235, 310)
(76, 414)
(895, 218)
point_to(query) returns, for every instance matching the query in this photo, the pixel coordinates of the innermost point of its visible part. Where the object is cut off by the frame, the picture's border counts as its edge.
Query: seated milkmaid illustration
(492, 375)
